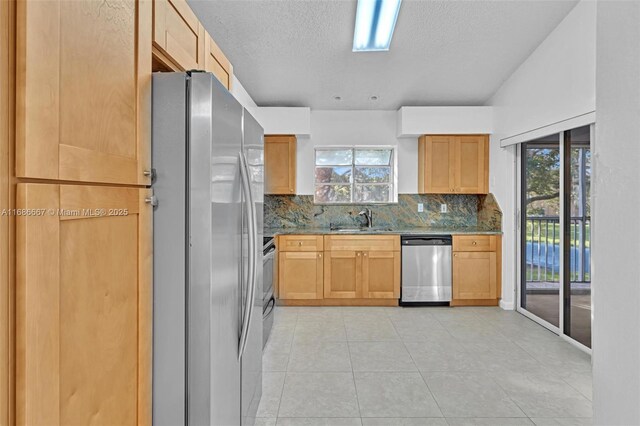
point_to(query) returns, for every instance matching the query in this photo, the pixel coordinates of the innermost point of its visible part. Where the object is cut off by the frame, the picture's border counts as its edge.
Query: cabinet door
(178, 36)
(471, 164)
(215, 62)
(475, 275)
(343, 275)
(83, 306)
(300, 275)
(381, 274)
(83, 107)
(435, 160)
(280, 164)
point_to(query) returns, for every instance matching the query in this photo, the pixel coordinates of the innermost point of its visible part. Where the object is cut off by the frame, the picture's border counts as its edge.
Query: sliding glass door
(555, 231)
(577, 294)
(540, 225)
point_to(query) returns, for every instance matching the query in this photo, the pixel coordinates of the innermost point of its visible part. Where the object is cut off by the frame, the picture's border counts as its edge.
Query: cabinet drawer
(474, 243)
(300, 243)
(362, 242)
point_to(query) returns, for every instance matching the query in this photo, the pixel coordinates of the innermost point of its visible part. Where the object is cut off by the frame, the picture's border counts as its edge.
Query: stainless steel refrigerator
(207, 155)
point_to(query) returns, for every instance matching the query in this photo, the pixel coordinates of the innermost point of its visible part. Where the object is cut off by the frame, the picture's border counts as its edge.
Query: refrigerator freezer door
(216, 261)
(251, 363)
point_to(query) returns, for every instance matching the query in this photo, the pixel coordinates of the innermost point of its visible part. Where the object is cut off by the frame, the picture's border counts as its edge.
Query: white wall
(555, 83)
(357, 128)
(616, 202)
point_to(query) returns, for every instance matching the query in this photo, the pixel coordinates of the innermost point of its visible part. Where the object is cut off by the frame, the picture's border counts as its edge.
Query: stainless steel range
(268, 300)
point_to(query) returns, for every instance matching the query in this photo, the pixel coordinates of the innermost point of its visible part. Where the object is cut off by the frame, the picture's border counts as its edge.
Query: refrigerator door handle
(252, 234)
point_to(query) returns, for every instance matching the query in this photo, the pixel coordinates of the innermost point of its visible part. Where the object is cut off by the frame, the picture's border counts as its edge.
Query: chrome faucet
(368, 215)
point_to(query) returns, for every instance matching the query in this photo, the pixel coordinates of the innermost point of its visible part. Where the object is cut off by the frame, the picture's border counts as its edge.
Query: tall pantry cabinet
(7, 223)
(83, 233)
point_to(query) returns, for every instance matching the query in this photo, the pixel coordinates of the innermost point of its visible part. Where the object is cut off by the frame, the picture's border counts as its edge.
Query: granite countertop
(270, 232)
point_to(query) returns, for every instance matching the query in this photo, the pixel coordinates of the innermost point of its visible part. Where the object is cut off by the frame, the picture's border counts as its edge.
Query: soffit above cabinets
(416, 121)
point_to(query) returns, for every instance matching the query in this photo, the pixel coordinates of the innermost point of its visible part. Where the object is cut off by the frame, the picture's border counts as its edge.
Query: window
(346, 175)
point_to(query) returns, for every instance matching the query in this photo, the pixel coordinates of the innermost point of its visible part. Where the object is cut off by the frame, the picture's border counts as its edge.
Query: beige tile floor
(420, 366)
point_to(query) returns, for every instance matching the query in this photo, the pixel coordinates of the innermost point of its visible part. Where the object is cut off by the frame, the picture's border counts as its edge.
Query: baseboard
(507, 306)
(337, 302)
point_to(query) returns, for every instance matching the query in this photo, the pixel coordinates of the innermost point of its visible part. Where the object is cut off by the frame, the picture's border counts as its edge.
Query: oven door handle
(269, 254)
(271, 302)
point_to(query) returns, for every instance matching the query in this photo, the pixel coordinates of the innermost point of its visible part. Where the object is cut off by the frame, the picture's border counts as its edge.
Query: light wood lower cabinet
(300, 275)
(343, 275)
(381, 275)
(83, 305)
(476, 270)
(357, 269)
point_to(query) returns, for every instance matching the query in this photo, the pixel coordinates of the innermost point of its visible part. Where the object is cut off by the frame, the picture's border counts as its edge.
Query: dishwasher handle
(426, 240)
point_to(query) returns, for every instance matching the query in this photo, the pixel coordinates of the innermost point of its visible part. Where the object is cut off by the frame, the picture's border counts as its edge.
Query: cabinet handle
(475, 243)
(358, 254)
(455, 254)
(365, 254)
(300, 243)
(320, 255)
(153, 200)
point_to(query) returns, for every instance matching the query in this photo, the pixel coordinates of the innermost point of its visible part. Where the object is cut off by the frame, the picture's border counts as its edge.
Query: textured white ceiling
(298, 52)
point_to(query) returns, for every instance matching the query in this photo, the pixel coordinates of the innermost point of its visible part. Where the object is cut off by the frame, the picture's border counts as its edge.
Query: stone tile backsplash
(299, 211)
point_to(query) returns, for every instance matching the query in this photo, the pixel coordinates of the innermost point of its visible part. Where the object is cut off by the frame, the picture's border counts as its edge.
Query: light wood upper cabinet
(83, 99)
(476, 270)
(453, 164)
(436, 164)
(343, 274)
(381, 275)
(280, 164)
(215, 62)
(471, 164)
(83, 306)
(178, 36)
(300, 275)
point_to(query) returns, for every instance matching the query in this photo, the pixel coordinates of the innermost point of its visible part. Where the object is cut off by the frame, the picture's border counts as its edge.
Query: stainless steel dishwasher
(426, 270)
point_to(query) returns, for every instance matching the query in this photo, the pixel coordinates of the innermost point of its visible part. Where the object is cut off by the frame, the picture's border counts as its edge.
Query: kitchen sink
(358, 230)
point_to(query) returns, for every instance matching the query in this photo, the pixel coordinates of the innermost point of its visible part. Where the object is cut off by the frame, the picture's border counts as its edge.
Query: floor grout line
(353, 375)
(284, 382)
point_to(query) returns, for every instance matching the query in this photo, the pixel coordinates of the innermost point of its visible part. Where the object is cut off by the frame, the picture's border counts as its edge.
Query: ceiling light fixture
(374, 98)
(375, 22)
(337, 98)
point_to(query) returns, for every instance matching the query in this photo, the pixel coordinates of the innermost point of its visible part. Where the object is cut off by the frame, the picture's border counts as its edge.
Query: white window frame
(393, 164)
